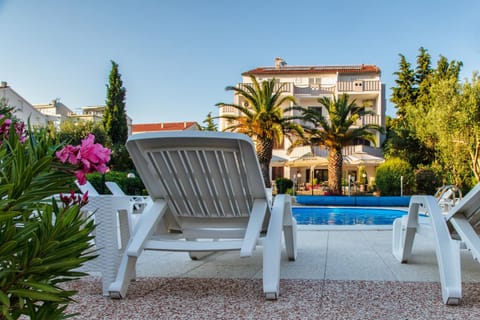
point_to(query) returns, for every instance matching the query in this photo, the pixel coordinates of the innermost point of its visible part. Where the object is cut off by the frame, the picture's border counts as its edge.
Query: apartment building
(22, 109)
(56, 112)
(307, 83)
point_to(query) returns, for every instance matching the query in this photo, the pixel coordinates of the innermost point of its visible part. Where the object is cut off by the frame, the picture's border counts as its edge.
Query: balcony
(368, 119)
(358, 86)
(228, 109)
(314, 90)
(321, 151)
(287, 86)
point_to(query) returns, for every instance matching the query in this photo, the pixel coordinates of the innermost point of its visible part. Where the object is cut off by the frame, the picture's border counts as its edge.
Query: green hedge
(131, 186)
(283, 184)
(389, 174)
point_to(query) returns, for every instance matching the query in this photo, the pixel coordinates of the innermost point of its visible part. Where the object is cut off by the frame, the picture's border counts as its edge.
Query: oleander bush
(43, 240)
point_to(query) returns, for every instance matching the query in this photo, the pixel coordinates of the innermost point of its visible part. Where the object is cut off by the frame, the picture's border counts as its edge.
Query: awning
(308, 160)
(363, 159)
(277, 161)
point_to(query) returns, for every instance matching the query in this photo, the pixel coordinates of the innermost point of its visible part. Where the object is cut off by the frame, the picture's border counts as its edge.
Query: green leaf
(4, 299)
(7, 247)
(36, 295)
(42, 287)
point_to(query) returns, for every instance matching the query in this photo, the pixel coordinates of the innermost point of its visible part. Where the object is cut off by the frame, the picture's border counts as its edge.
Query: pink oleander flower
(19, 129)
(88, 156)
(72, 199)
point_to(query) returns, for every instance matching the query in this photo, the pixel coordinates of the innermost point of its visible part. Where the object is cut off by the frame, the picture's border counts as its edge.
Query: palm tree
(262, 118)
(336, 131)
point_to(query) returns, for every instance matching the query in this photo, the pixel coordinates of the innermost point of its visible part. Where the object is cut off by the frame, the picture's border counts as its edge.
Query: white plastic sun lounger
(138, 202)
(207, 195)
(461, 222)
(448, 196)
(87, 187)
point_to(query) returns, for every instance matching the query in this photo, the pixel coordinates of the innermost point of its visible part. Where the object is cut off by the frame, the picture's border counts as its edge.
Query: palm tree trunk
(264, 153)
(335, 160)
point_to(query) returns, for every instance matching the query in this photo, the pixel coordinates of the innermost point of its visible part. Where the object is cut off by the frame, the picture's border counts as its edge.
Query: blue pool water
(346, 216)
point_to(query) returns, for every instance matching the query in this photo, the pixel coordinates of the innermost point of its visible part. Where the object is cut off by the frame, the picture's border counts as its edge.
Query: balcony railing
(320, 151)
(286, 86)
(368, 119)
(317, 90)
(314, 90)
(358, 86)
(228, 109)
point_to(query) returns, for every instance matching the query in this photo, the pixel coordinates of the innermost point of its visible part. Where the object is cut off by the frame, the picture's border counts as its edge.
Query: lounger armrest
(252, 233)
(145, 226)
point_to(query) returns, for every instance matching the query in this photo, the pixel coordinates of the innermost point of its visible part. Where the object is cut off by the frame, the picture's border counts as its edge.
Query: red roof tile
(163, 126)
(313, 69)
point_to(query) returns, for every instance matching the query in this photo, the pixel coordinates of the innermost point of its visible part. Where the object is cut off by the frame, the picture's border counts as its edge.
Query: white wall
(23, 109)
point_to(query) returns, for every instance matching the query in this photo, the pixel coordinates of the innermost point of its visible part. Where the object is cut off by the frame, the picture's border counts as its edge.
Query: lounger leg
(126, 228)
(118, 289)
(403, 235)
(448, 257)
(290, 235)
(289, 230)
(272, 250)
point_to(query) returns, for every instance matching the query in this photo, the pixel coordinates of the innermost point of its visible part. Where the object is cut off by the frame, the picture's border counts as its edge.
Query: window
(277, 172)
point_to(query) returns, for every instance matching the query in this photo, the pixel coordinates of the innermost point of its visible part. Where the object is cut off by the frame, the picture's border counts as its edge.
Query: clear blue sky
(176, 57)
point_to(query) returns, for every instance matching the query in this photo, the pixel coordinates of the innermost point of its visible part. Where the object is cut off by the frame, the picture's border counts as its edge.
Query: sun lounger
(207, 195)
(459, 227)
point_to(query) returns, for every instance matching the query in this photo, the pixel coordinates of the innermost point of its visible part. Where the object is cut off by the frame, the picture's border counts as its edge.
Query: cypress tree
(114, 117)
(210, 124)
(404, 91)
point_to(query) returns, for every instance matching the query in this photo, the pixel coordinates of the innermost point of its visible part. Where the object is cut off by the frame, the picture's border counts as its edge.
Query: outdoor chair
(138, 202)
(448, 196)
(207, 195)
(112, 232)
(456, 229)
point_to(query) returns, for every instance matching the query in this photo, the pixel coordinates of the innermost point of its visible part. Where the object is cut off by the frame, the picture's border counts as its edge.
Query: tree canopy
(260, 115)
(437, 122)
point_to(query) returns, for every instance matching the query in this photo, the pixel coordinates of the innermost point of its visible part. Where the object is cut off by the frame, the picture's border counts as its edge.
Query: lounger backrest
(469, 206)
(211, 174)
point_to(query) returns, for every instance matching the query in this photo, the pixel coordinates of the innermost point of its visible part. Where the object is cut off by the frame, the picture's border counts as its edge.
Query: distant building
(95, 114)
(55, 111)
(164, 126)
(23, 110)
(307, 83)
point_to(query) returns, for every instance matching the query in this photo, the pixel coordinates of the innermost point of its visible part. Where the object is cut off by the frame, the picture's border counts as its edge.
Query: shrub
(388, 176)
(42, 242)
(283, 184)
(132, 185)
(426, 181)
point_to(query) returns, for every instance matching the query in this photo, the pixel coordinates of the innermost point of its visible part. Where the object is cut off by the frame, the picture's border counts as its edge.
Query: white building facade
(307, 83)
(23, 110)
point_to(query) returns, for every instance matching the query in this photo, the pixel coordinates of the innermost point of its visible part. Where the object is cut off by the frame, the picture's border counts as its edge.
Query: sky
(177, 56)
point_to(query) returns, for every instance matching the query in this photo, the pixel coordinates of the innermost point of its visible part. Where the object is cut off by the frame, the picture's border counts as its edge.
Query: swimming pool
(346, 215)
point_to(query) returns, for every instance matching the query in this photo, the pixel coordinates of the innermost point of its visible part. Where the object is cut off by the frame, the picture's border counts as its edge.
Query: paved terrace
(339, 274)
